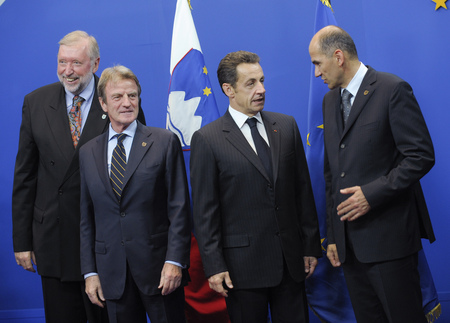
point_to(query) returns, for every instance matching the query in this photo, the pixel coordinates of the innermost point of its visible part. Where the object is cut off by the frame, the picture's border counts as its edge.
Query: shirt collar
(356, 81)
(129, 131)
(240, 118)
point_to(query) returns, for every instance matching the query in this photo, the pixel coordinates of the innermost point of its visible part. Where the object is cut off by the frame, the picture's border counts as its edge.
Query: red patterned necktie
(75, 119)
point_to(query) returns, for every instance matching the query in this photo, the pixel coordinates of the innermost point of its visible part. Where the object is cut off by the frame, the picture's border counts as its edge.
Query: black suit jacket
(245, 224)
(150, 225)
(385, 148)
(46, 192)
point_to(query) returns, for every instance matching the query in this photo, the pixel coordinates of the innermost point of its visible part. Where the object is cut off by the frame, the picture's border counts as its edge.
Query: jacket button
(343, 174)
(60, 192)
(122, 214)
(342, 146)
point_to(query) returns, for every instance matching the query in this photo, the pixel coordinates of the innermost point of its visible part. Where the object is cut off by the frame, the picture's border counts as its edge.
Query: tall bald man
(377, 148)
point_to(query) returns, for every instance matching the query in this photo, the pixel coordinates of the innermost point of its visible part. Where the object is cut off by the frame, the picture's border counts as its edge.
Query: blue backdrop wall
(408, 38)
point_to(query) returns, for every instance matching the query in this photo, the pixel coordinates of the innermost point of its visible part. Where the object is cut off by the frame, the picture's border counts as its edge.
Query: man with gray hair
(57, 119)
(135, 227)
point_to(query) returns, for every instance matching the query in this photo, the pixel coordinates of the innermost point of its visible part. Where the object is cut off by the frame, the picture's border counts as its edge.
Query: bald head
(334, 56)
(331, 38)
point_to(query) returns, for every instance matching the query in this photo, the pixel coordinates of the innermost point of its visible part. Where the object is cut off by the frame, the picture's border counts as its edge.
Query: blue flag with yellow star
(326, 289)
(191, 103)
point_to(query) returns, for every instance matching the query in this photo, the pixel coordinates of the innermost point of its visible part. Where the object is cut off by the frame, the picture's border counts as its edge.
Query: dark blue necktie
(262, 149)
(346, 105)
(118, 166)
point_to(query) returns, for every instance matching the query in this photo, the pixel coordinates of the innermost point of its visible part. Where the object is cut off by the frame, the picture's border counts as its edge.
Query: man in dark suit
(377, 148)
(254, 213)
(46, 193)
(135, 227)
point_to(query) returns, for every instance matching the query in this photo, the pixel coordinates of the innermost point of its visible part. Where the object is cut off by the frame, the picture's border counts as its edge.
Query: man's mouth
(71, 79)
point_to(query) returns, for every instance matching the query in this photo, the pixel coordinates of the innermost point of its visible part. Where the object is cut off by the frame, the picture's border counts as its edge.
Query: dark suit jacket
(385, 148)
(46, 192)
(245, 224)
(151, 223)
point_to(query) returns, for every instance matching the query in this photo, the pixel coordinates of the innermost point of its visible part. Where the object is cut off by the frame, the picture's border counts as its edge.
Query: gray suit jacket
(245, 224)
(385, 148)
(150, 225)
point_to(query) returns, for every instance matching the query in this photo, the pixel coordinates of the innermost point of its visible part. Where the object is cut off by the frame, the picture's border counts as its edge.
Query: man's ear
(339, 56)
(103, 104)
(228, 90)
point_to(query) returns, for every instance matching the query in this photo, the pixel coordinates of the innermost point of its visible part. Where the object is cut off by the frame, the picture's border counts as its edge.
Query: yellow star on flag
(206, 91)
(440, 3)
(205, 70)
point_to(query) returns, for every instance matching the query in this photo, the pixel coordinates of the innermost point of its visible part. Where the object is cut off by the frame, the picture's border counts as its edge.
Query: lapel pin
(104, 116)
(275, 130)
(366, 92)
(144, 144)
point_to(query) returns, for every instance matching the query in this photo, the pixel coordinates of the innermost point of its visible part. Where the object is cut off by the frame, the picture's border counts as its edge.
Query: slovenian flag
(192, 105)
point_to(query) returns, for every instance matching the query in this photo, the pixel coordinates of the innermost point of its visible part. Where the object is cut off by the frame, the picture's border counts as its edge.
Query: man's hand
(94, 291)
(333, 256)
(26, 259)
(310, 265)
(170, 278)
(216, 283)
(353, 207)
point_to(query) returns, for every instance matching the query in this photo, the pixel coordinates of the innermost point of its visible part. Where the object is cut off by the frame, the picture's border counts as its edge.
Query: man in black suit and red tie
(135, 223)
(377, 148)
(254, 213)
(57, 119)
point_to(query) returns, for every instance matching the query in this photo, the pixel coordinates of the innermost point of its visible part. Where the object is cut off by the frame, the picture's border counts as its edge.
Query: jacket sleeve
(413, 143)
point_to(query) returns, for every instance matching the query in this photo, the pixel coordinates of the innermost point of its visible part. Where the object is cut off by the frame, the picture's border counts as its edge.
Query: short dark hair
(115, 74)
(226, 72)
(337, 38)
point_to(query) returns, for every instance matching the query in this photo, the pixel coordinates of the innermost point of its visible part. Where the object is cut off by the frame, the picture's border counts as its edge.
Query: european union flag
(326, 290)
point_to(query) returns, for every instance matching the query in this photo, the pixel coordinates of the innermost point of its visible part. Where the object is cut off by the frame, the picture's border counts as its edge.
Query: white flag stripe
(184, 35)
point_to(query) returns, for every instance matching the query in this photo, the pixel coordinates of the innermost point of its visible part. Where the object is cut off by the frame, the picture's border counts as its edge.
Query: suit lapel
(234, 135)
(58, 122)
(99, 152)
(141, 144)
(365, 91)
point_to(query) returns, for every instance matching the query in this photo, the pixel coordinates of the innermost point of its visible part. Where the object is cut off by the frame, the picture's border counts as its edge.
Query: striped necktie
(118, 166)
(75, 119)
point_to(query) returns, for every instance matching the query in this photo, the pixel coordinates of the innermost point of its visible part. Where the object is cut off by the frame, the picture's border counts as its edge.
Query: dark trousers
(386, 291)
(67, 302)
(133, 306)
(287, 303)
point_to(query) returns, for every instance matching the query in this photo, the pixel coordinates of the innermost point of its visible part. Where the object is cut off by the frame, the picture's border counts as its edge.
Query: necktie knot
(251, 122)
(120, 137)
(77, 101)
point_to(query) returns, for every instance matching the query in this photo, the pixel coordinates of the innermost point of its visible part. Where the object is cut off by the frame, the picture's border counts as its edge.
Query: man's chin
(72, 88)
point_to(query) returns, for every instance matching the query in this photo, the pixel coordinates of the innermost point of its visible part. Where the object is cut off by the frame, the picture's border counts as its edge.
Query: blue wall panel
(408, 38)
